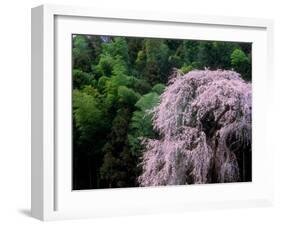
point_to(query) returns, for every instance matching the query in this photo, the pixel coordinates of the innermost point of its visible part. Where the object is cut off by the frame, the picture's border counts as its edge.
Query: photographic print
(157, 112)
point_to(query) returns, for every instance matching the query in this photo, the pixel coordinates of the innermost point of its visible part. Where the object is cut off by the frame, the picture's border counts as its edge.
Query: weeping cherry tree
(204, 124)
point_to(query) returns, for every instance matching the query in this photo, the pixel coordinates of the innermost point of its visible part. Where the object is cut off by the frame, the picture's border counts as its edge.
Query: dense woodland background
(115, 81)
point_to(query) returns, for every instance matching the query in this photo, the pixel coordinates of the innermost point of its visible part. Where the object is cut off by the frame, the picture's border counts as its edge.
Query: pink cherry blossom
(204, 124)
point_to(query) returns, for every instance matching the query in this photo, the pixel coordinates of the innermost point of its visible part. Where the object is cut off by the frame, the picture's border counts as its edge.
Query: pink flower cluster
(204, 121)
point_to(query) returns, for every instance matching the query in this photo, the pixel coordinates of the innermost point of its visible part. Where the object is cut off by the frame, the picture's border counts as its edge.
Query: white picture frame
(52, 197)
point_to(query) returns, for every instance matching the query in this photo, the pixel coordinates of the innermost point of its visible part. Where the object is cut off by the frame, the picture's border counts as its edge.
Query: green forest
(116, 81)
